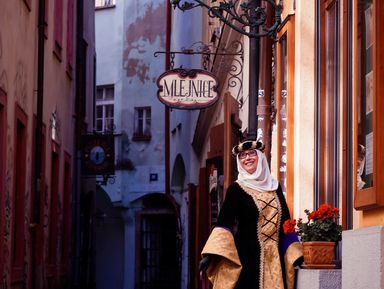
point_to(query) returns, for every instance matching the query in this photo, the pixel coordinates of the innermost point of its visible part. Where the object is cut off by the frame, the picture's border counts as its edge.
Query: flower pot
(319, 255)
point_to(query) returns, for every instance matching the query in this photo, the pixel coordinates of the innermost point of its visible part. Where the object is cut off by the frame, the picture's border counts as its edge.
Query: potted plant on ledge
(318, 235)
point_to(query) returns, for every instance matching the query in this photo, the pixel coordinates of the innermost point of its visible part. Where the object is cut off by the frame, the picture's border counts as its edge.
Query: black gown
(240, 214)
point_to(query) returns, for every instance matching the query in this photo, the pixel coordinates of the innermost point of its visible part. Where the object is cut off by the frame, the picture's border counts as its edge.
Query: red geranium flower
(289, 226)
(322, 225)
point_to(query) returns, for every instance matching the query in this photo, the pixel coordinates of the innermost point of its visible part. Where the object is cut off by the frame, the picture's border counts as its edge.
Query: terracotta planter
(319, 255)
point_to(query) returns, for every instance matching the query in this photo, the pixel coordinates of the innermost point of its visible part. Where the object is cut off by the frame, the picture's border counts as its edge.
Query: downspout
(39, 113)
(76, 220)
(264, 110)
(39, 136)
(167, 110)
(349, 194)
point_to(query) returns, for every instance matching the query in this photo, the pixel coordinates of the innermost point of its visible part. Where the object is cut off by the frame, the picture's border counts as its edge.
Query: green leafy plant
(322, 225)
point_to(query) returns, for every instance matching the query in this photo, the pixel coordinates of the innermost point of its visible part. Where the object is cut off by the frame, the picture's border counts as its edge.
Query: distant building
(136, 227)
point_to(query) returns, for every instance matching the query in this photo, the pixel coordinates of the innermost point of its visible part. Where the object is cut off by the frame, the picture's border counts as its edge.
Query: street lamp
(250, 19)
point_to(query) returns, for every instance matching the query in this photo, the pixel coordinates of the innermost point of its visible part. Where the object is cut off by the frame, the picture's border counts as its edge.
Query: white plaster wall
(109, 47)
(363, 258)
(304, 106)
(186, 30)
(125, 47)
(143, 34)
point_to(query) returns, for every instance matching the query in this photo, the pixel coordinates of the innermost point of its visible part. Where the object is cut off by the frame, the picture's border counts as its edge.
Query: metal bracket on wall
(106, 179)
(98, 156)
(209, 55)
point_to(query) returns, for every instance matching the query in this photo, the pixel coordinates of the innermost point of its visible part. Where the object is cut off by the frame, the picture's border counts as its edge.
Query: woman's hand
(204, 263)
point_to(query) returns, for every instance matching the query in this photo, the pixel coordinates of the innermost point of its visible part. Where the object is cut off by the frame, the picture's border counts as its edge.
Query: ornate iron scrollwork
(246, 17)
(209, 54)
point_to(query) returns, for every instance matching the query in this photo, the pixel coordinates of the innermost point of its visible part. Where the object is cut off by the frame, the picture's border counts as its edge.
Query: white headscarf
(261, 180)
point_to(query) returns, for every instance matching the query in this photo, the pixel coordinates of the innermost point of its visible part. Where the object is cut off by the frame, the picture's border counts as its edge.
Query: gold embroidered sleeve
(225, 268)
(294, 252)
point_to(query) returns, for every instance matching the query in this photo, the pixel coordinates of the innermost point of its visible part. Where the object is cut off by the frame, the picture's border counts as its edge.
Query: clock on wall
(98, 154)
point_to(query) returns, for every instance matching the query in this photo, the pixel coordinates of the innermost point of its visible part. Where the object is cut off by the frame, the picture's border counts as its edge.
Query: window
(368, 40)
(105, 3)
(70, 21)
(285, 108)
(105, 108)
(18, 198)
(142, 123)
(365, 98)
(58, 28)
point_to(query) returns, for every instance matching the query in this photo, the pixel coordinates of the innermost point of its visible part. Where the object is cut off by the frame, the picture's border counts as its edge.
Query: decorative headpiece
(248, 145)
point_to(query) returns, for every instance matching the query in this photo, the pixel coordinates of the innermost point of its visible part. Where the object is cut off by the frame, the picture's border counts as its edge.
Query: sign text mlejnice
(187, 89)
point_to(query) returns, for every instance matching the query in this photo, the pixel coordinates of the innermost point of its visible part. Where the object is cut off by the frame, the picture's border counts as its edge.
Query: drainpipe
(254, 61)
(39, 136)
(77, 188)
(349, 194)
(167, 110)
(265, 87)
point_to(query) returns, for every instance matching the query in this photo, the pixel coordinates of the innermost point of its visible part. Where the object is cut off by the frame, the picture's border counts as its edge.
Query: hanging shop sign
(187, 89)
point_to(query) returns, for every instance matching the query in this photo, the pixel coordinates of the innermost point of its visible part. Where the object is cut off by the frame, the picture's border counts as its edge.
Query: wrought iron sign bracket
(235, 48)
(107, 179)
(209, 54)
(234, 66)
(98, 156)
(247, 17)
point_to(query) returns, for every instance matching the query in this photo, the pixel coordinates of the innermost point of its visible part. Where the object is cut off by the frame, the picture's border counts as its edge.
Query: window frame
(142, 135)
(19, 187)
(105, 6)
(372, 197)
(287, 30)
(58, 29)
(103, 103)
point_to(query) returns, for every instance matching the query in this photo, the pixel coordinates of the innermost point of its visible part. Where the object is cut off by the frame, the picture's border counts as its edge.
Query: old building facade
(46, 67)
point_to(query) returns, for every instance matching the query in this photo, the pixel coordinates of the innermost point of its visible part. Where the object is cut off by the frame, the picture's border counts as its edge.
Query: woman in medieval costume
(248, 248)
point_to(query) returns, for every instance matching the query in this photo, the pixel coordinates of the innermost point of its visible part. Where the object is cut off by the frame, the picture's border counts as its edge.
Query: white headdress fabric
(261, 180)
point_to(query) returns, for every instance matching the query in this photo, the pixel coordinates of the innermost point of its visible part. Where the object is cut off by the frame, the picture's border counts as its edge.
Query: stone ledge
(319, 279)
(363, 258)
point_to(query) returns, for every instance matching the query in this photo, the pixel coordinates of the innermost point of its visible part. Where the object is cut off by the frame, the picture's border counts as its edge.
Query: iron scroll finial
(246, 17)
